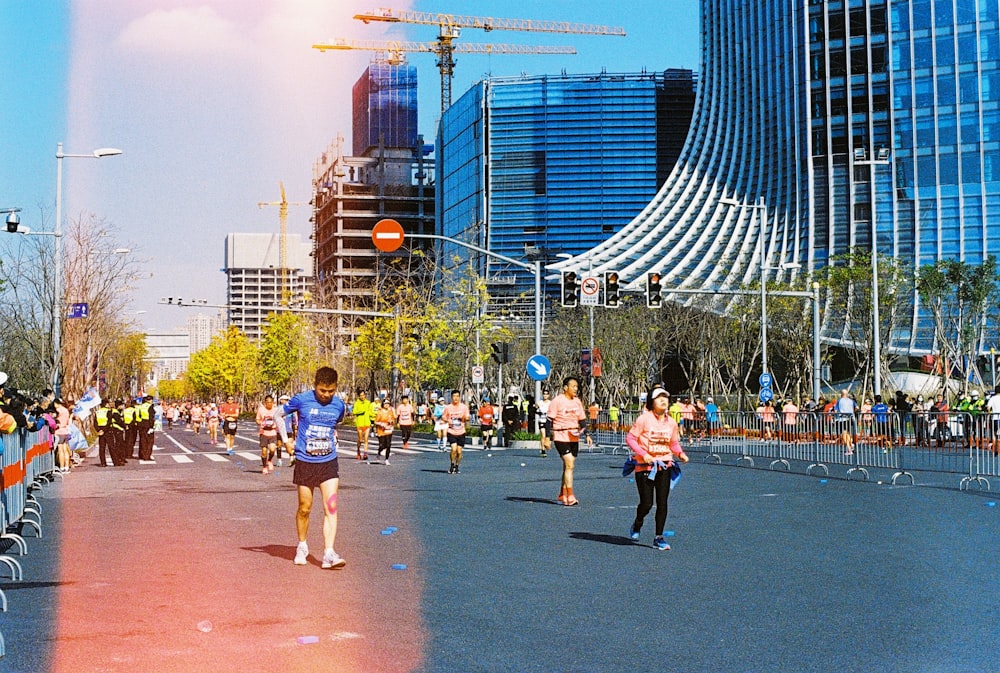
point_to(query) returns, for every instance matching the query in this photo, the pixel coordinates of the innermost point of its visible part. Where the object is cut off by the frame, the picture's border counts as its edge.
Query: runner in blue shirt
(319, 411)
(880, 410)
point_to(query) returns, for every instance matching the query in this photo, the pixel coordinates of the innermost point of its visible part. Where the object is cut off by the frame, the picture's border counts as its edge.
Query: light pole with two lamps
(883, 158)
(99, 153)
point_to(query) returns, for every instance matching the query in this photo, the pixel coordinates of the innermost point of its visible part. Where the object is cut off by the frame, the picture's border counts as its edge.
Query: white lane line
(216, 458)
(178, 444)
(182, 459)
(248, 455)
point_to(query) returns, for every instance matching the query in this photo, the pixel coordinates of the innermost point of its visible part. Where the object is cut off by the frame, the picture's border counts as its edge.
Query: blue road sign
(539, 367)
(766, 394)
(765, 380)
(78, 311)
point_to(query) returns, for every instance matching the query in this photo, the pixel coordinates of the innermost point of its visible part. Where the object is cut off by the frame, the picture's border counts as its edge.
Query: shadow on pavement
(282, 551)
(541, 501)
(619, 540)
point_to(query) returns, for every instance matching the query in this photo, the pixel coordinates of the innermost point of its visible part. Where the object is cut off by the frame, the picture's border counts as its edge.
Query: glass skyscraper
(555, 163)
(831, 119)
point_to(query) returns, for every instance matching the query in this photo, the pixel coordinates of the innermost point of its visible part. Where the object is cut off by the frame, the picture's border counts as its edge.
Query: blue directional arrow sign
(539, 367)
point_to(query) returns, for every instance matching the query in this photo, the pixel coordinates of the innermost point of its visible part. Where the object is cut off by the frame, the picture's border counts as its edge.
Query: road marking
(216, 457)
(182, 459)
(178, 444)
(248, 455)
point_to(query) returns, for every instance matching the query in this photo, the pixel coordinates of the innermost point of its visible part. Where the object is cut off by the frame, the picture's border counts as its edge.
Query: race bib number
(457, 423)
(268, 423)
(318, 447)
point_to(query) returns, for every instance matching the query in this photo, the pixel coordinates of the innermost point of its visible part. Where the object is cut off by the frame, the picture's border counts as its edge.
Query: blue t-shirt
(881, 411)
(316, 440)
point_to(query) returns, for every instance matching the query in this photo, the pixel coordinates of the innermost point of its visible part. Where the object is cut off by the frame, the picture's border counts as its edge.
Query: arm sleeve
(633, 443)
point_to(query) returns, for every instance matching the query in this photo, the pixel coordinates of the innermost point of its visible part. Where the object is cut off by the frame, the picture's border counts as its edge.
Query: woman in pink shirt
(654, 440)
(567, 417)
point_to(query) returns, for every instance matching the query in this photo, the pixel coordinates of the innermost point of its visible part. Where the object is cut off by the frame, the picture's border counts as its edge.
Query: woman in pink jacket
(655, 442)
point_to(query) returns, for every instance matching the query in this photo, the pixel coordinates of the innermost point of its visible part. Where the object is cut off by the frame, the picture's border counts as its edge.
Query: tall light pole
(99, 153)
(883, 158)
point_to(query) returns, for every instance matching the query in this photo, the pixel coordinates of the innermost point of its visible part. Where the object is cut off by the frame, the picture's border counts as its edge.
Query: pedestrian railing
(895, 446)
(26, 463)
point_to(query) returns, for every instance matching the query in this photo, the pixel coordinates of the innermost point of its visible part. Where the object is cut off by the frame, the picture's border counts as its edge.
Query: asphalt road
(185, 565)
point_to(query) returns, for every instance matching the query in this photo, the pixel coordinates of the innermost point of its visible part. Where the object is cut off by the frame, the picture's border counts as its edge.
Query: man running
(267, 428)
(230, 413)
(315, 446)
(456, 415)
(363, 414)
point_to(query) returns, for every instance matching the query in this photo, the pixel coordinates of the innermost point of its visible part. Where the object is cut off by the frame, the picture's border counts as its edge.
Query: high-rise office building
(555, 164)
(829, 120)
(385, 107)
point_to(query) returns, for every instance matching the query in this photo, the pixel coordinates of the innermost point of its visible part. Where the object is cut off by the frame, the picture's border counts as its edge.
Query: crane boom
(398, 47)
(486, 23)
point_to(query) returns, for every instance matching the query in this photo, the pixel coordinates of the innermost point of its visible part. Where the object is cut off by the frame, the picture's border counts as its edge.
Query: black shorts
(314, 474)
(229, 427)
(568, 447)
(457, 439)
(266, 441)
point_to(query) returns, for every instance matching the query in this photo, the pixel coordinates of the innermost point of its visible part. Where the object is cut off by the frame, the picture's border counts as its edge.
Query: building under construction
(389, 176)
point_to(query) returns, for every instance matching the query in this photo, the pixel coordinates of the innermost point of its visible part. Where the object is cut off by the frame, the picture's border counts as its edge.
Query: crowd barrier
(901, 445)
(27, 461)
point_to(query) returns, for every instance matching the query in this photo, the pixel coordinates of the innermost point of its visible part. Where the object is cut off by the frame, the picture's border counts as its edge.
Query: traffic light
(612, 295)
(653, 287)
(501, 353)
(570, 289)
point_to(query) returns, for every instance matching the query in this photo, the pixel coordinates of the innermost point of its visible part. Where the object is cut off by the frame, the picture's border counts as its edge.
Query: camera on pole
(570, 289)
(653, 288)
(612, 293)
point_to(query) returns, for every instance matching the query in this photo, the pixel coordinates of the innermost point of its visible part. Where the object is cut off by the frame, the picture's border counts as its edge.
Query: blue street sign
(766, 394)
(78, 311)
(539, 367)
(765, 380)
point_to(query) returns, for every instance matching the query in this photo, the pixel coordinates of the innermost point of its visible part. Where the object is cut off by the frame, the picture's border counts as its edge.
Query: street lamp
(99, 153)
(883, 158)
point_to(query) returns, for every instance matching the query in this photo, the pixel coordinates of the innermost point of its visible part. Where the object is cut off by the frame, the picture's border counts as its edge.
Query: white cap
(658, 391)
(284, 397)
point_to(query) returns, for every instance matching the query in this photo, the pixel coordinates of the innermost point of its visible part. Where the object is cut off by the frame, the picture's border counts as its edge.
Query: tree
(228, 366)
(287, 352)
(958, 294)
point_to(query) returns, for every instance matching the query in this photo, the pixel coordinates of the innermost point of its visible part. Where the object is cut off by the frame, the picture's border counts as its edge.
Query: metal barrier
(26, 462)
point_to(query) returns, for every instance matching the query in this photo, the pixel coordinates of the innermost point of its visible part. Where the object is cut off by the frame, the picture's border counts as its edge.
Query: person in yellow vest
(102, 419)
(131, 430)
(145, 428)
(116, 423)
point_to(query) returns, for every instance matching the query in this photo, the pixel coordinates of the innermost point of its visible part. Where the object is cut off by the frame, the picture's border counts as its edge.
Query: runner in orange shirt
(567, 417)
(456, 415)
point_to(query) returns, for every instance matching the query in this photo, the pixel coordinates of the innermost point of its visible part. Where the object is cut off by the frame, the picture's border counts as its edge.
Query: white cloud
(183, 31)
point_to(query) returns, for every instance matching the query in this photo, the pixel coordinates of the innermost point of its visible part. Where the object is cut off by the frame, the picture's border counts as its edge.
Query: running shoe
(387, 462)
(279, 463)
(456, 468)
(229, 452)
(270, 466)
(451, 469)
(333, 560)
(301, 554)
(571, 500)
(633, 534)
(661, 543)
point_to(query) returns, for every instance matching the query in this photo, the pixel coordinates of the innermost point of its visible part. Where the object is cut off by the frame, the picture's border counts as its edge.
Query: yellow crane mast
(449, 28)
(283, 238)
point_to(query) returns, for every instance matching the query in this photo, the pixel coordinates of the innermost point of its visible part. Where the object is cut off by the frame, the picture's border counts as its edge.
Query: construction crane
(283, 238)
(395, 48)
(449, 28)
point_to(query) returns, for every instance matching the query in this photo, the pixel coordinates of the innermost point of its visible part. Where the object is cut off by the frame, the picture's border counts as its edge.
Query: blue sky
(215, 101)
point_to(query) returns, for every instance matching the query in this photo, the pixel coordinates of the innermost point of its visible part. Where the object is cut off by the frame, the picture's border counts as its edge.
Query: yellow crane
(283, 238)
(449, 28)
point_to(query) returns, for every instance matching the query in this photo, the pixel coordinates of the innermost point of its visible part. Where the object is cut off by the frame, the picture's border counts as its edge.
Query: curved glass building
(827, 121)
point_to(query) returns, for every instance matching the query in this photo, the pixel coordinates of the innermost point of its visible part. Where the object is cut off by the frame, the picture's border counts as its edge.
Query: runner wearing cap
(655, 441)
(567, 417)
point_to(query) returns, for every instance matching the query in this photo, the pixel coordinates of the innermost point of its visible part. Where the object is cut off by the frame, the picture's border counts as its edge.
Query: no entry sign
(387, 235)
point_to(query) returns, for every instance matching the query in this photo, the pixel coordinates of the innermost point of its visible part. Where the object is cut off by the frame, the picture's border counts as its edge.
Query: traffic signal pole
(535, 266)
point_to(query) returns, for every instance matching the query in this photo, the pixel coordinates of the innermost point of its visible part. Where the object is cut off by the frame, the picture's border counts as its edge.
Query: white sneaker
(332, 560)
(301, 554)
(387, 462)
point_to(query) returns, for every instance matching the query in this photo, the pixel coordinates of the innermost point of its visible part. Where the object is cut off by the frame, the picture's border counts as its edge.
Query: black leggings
(660, 486)
(384, 444)
(406, 431)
